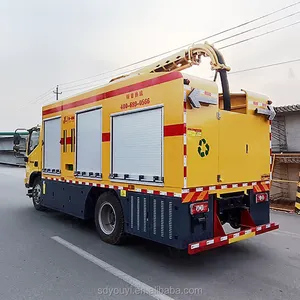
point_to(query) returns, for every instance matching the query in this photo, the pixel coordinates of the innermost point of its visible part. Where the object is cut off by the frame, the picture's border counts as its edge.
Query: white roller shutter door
(52, 135)
(89, 143)
(137, 145)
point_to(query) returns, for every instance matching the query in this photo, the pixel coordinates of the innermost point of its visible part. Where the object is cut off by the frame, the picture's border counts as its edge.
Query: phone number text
(136, 103)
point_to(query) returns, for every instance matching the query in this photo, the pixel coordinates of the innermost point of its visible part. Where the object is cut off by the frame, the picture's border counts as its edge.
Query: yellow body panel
(202, 124)
(222, 147)
(239, 147)
(34, 156)
(201, 171)
(169, 94)
(243, 147)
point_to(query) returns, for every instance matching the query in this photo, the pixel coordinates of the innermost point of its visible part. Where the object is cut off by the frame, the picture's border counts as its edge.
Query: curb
(290, 211)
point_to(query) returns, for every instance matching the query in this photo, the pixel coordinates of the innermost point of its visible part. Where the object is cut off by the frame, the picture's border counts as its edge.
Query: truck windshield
(33, 140)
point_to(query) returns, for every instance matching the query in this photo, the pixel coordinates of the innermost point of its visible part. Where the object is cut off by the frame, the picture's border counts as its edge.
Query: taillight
(198, 208)
(261, 197)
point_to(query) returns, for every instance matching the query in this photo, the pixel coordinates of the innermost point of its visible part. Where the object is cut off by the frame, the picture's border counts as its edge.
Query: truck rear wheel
(109, 218)
(36, 194)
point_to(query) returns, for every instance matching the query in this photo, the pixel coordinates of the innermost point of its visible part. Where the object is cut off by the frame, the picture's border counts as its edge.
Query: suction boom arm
(186, 58)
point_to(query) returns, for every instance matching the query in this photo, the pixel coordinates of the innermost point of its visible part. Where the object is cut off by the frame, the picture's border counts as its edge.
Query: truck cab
(32, 154)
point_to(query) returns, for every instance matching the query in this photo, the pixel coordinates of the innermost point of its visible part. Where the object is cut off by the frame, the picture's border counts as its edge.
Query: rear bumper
(196, 247)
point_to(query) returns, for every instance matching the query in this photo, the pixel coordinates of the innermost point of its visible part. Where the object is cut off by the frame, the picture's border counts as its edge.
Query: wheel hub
(107, 218)
(36, 194)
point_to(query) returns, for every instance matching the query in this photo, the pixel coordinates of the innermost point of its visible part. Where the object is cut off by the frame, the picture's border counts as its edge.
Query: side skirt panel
(65, 197)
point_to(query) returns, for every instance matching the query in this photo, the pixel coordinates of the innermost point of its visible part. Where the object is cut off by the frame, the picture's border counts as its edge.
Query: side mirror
(17, 138)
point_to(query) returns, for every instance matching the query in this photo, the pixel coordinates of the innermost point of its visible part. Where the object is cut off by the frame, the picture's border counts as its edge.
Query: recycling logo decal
(203, 148)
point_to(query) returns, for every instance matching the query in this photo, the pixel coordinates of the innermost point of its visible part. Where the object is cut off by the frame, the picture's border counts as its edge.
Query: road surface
(48, 255)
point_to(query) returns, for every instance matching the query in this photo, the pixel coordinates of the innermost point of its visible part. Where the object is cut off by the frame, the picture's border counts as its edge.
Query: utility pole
(57, 93)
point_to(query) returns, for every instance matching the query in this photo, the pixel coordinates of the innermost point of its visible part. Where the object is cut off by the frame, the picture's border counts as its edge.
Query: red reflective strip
(195, 196)
(173, 130)
(184, 172)
(204, 195)
(257, 189)
(203, 246)
(116, 92)
(184, 150)
(195, 247)
(156, 192)
(105, 136)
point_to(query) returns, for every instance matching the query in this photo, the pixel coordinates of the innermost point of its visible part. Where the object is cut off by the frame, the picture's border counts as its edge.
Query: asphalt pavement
(48, 255)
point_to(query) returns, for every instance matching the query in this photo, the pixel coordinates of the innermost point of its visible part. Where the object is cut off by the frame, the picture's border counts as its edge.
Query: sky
(45, 43)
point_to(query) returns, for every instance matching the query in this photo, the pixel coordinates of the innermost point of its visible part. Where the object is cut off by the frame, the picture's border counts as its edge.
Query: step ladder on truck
(158, 154)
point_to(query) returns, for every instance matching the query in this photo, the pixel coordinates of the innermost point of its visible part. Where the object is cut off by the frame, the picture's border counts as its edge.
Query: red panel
(246, 219)
(173, 130)
(105, 136)
(117, 92)
(218, 229)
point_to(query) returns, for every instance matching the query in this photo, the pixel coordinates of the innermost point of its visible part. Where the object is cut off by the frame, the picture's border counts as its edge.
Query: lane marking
(111, 269)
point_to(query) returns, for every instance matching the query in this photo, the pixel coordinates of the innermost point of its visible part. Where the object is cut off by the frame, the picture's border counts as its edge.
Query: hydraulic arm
(188, 57)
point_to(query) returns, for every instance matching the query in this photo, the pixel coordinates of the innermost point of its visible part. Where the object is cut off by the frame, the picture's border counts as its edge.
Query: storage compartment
(137, 145)
(89, 143)
(52, 134)
(244, 147)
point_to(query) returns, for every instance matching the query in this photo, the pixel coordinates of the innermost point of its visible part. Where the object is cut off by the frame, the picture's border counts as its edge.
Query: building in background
(286, 154)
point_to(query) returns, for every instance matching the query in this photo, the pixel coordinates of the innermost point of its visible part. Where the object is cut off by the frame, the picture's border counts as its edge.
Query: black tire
(36, 194)
(111, 230)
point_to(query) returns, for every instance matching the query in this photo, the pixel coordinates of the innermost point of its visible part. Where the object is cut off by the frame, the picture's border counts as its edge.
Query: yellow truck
(158, 154)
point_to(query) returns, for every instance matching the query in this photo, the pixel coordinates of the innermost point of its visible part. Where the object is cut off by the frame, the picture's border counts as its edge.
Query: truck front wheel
(109, 218)
(36, 194)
